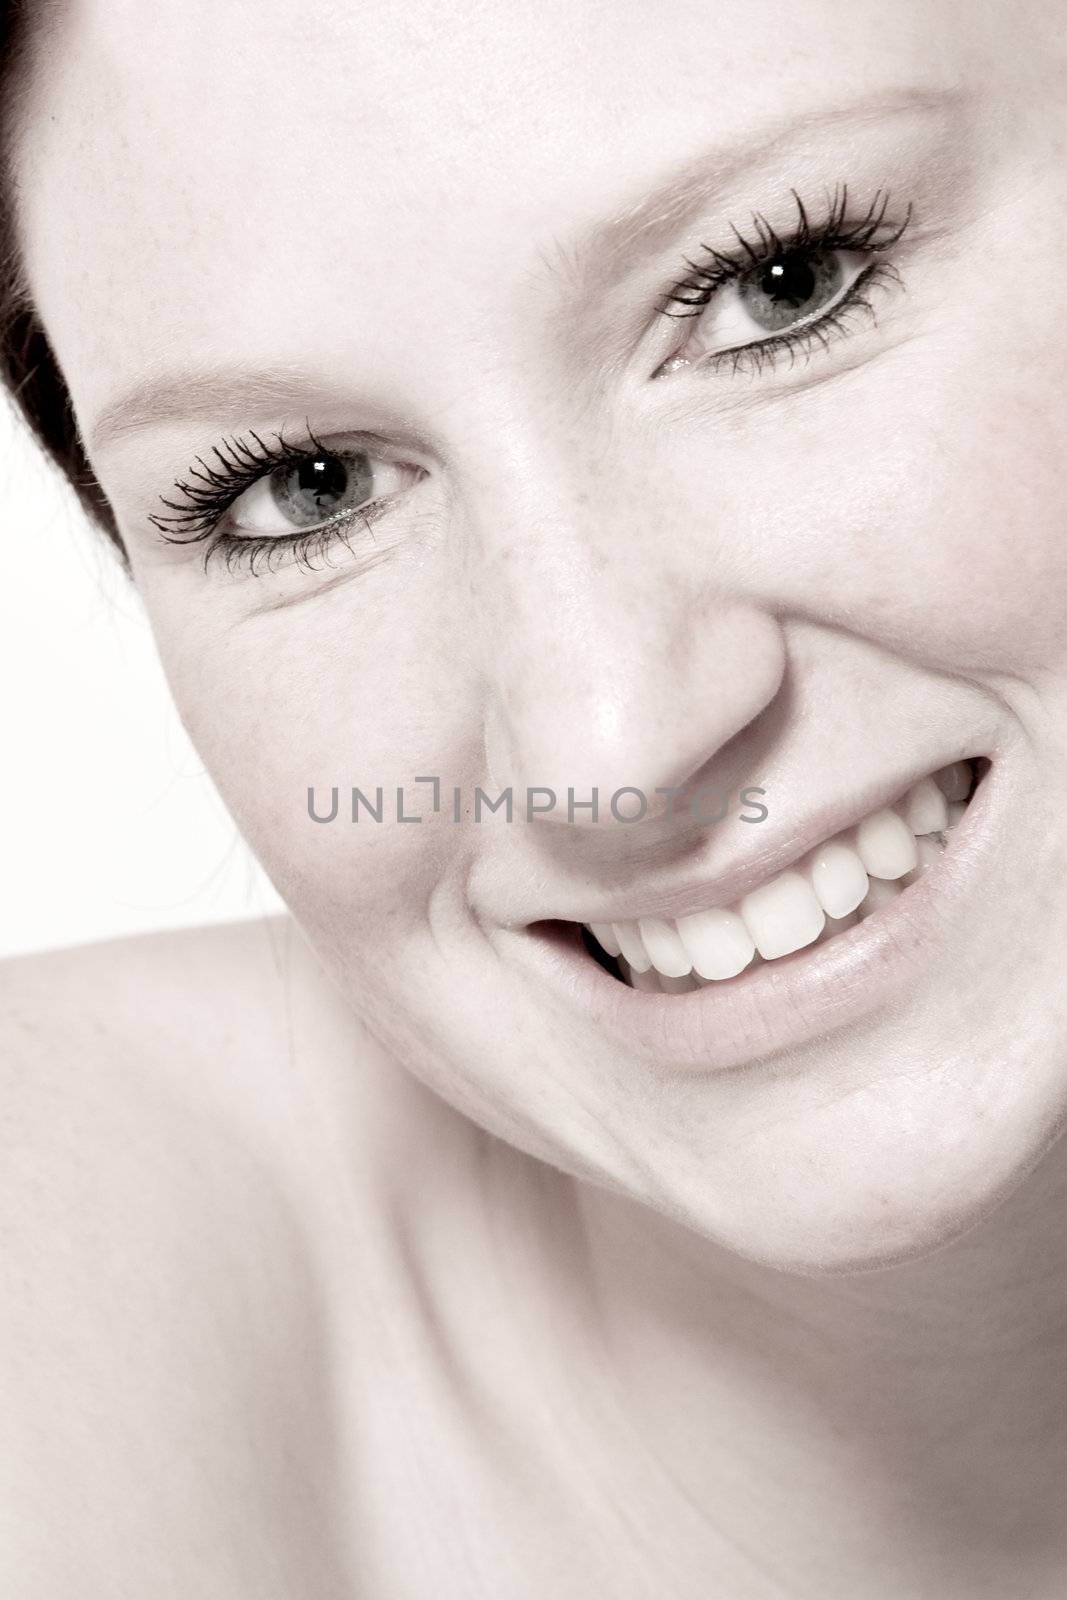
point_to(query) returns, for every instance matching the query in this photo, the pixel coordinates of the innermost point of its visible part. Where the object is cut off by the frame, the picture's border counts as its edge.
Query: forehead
(222, 178)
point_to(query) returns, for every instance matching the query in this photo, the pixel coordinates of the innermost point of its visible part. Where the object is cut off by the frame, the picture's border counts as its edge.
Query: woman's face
(432, 249)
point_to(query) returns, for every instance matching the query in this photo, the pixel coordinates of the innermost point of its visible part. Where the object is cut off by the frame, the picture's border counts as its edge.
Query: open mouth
(842, 881)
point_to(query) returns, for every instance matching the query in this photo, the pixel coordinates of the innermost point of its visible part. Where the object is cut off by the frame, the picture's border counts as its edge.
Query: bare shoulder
(133, 1077)
(164, 1324)
(132, 992)
(214, 1192)
(229, 1031)
(162, 1064)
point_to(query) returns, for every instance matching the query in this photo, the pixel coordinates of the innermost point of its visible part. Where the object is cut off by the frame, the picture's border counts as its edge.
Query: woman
(659, 1202)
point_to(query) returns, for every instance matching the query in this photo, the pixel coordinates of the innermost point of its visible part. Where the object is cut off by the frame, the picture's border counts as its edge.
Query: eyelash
(216, 488)
(871, 233)
(240, 464)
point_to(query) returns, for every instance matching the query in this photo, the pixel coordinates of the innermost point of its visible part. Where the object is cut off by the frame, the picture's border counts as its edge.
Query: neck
(906, 1420)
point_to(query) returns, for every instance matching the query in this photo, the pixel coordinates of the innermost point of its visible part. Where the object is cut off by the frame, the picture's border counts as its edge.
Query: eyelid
(873, 232)
(833, 229)
(215, 480)
(230, 523)
(299, 549)
(832, 323)
(722, 300)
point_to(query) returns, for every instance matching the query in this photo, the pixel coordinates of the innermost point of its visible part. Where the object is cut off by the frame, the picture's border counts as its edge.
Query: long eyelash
(211, 487)
(209, 490)
(764, 354)
(835, 232)
(310, 551)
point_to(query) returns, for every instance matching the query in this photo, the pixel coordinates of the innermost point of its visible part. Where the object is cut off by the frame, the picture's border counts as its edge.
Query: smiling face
(804, 533)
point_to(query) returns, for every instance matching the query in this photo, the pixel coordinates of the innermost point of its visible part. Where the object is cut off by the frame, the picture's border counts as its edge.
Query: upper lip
(669, 899)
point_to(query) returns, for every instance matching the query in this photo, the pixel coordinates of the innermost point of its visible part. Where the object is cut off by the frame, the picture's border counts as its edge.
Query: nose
(615, 675)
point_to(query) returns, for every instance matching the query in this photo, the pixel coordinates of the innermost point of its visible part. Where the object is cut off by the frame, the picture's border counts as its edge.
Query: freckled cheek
(275, 710)
(928, 514)
(980, 516)
(975, 494)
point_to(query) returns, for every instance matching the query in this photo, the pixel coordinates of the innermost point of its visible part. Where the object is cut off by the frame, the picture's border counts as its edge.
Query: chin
(896, 1157)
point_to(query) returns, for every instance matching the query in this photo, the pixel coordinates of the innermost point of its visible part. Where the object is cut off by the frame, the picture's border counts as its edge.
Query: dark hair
(28, 369)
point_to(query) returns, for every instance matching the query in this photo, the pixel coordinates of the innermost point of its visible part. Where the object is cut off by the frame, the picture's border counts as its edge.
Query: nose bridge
(605, 666)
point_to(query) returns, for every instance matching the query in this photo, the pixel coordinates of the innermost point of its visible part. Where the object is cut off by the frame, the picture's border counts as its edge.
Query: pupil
(792, 283)
(323, 478)
(316, 488)
(790, 279)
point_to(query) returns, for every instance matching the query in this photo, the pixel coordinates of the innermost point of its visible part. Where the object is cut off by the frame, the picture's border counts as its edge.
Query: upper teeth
(849, 875)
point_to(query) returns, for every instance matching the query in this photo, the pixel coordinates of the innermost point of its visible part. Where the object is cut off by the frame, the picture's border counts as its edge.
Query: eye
(776, 297)
(783, 296)
(308, 493)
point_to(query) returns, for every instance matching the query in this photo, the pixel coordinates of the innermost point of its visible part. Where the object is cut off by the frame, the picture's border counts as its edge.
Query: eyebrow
(619, 243)
(645, 225)
(586, 264)
(205, 392)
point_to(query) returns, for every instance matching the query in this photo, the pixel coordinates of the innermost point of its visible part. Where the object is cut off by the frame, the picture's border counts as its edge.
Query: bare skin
(278, 1321)
(585, 1309)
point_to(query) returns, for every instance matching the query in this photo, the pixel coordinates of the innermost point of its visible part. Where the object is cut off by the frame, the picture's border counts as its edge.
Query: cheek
(331, 694)
(956, 558)
(919, 500)
(918, 504)
(952, 459)
(992, 558)
(974, 509)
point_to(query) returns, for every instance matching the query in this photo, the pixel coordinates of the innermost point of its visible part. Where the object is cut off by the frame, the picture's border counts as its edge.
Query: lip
(726, 887)
(781, 1004)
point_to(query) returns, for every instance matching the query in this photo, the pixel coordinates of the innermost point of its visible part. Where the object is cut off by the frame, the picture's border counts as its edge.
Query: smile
(842, 881)
(915, 865)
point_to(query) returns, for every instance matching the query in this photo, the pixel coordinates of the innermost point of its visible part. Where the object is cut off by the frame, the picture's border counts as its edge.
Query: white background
(108, 823)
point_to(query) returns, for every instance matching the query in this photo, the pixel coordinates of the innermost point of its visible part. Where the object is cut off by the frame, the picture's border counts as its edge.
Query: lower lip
(788, 1002)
